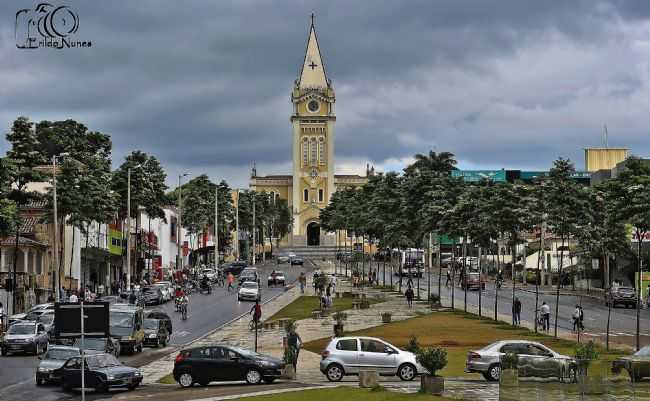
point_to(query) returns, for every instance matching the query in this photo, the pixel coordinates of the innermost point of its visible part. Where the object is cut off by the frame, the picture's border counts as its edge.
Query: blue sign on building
(478, 175)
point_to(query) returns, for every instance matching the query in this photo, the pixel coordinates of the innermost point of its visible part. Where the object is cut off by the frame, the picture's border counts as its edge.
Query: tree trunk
(540, 255)
(514, 275)
(465, 281)
(480, 283)
(640, 236)
(453, 272)
(559, 283)
(496, 287)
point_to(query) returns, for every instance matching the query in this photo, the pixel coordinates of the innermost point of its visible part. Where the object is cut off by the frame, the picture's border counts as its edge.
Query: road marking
(181, 333)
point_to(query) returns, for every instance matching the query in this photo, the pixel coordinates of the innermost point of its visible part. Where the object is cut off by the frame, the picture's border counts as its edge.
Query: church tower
(312, 122)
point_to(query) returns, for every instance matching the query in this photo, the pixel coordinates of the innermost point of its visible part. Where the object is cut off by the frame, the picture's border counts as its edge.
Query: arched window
(305, 152)
(305, 195)
(321, 150)
(321, 196)
(314, 160)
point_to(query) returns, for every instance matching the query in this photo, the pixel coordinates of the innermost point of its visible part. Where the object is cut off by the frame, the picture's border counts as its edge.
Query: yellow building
(603, 158)
(312, 182)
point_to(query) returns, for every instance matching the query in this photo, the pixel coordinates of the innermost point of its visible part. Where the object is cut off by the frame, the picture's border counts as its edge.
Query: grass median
(345, 394)
(302, 307)
(459, 333)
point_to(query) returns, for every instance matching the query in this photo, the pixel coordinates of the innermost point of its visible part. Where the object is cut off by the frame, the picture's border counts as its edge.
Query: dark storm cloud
(205, 85)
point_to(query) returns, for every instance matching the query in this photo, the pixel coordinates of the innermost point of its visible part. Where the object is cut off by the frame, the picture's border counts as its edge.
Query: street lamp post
(216, 227)
(237, 225)
(55, 254)
(179, 256)
(254, 243)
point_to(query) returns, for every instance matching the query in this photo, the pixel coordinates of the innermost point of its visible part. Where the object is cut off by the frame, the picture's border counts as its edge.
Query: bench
(315, 314)
(356, 305)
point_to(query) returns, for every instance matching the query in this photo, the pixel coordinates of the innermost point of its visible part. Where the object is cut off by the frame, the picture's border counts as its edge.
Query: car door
(201, 364)
(222, 366)
(540, 362)
(71, 372)
(374, 355)
(347, 351)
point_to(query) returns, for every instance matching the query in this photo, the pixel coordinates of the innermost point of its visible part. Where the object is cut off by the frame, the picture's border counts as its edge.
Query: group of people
(357, 279)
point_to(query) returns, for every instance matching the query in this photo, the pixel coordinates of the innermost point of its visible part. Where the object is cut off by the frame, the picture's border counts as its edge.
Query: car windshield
(102, 361)
(150, 324)
(61, 354)
(46, 318)
(22, 329)
(245, 352)
(249, 284)
(97, 344)
(121, 319)
(645, 351)
(33, 315)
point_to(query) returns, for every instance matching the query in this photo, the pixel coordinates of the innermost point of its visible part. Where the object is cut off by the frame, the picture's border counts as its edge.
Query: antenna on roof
(605, 137)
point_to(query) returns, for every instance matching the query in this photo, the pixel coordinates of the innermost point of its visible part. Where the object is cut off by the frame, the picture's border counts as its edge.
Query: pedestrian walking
(409, 296)
(231, 281)
(545, 311)
(328, 295)
(2, 318)
(302, 281)
(581, 318)
(516, 312)
(448, 278)
(294, 342)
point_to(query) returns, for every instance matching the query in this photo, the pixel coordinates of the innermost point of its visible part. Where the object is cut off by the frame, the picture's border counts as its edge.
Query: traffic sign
(67, 319)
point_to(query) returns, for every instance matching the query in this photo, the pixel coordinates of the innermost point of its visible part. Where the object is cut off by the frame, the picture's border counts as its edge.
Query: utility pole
(128, 229)
(55, 254)
(237, 226)
(179, 250)
(254, 243)
(216, 227)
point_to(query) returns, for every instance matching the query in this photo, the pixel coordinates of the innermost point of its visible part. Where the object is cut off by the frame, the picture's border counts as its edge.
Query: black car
(296, 261)
(152, 295)
(103, 372)
(160, 315)
(248, 274)
(235, 267)
(108, 345)
(155, 333)
(203, 365)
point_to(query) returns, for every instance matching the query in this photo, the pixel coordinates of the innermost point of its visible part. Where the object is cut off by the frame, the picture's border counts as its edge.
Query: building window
(305, 195)
(305, 152)
(321, 150)
(314, 151)
(320, 195)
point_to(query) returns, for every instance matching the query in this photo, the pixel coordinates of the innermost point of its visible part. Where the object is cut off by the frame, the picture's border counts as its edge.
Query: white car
(166, 289)
(209, 273)
(276, 278)
(249, 291)
(31, 314)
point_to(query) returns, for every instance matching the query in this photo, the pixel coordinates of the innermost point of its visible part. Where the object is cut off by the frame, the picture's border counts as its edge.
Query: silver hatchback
(350, 355)
(533, 360)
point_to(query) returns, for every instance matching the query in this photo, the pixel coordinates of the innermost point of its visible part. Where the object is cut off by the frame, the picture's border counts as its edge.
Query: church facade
(313, 180)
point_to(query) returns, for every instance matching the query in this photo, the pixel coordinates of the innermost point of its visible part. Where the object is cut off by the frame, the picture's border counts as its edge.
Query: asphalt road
(622, 320)
(206, 313)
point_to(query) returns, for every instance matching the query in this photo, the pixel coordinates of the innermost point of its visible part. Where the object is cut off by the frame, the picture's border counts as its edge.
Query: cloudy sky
(205, 85)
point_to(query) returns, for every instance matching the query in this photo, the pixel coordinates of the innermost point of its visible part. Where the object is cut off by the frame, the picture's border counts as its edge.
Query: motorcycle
(205, 288)
(499, 282)
(178, 302)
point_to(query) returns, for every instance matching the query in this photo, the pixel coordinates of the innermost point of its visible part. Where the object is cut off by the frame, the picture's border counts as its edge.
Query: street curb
(266, 392)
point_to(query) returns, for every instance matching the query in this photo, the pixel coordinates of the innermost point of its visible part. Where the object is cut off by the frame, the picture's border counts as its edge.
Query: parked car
(249, 291)
(282, 259)
(276, 278)
(110, 299)
(248, 274)
(155, 333)
(473, 281)
(103, 372)
(162, 316)
(108, 345)
(210, 273)
(24, 337)
(47, 320)
(295, 261)
(621, 296)
(51, 362)
(21, 316)
(152, 295)
(637, 365)
(203, 365)
(534, 360)
(348, 355)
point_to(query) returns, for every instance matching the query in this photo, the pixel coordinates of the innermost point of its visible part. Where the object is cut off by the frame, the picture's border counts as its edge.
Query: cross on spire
(313, 65)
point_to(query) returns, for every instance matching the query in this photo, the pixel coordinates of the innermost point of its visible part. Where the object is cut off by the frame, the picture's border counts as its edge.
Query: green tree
(9, 216)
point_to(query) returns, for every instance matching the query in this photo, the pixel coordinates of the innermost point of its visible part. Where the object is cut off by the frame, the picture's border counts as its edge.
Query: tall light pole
(216, 227)
(254, 243)
(179, 256)
(237, 225)
(55, 254)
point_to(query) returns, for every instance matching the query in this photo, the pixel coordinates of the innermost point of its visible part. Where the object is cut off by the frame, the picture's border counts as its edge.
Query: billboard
(67, 316)
(478, 175)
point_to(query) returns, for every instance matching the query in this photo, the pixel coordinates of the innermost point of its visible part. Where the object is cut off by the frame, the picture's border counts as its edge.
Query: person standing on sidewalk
(545, 311)
(409, 296)
(516, 312)
(448, 278)
(231, 280)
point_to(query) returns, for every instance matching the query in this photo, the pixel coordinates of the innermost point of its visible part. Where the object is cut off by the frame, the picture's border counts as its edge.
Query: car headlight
(127, 338)
(266, 364)
(110, 377)
(138, 373)
(152, 336)
(44, 370)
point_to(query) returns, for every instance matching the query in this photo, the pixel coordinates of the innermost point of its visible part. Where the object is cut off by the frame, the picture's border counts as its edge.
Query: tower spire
(312, 73)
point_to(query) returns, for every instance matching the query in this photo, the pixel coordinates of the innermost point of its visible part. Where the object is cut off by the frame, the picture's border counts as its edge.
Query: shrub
(509, 361)
(413, 345)
(586, 351)
(432, 359)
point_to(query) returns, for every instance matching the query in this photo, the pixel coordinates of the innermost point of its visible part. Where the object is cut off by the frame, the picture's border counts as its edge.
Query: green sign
(478, 175)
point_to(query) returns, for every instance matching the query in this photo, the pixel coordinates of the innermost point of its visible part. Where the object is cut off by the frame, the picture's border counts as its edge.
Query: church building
(312, 181)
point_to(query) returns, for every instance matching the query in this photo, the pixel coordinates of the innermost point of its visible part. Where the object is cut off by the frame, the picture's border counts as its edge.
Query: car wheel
(185, 380)
(132, 387)
(494, 373)
(406, 372)
(101, 388)
(269, 380)
(140, 347)
(334, 372)
(572, 375)
(3, 351)
(66, 386)
(39, 381)
(37, 349)
(253, 376)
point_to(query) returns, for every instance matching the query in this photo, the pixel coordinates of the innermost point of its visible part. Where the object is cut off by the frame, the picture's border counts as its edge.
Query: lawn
(302, 307)
(345, 394)
(459, 333)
